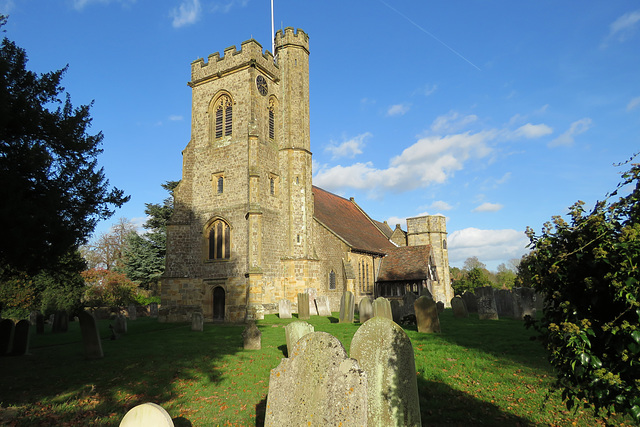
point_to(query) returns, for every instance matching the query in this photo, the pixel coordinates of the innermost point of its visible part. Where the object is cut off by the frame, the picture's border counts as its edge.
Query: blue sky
(496, 114)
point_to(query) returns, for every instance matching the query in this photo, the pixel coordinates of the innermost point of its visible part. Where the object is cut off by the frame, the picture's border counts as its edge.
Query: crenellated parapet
(250, 54)
(292, 38)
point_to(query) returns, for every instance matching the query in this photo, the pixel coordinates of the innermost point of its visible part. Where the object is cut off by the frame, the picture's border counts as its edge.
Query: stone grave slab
(284, 309)
(60, 322)
(21, 338)
(252, 337)
(120, 325)
(396, 310)
(365, 308)
(471, 301)
(504, 303)
(6, 336)
(197, 322)
(90, 336)
(524, 303)
(132, 312)
(440, 307)
(459, 307)
(303, 306)
(427, 318)
(313, 294)
(407, 303)
(146, 415)
(323, 306)
(294, 331)
(486, 301)
(153, 309)
(382, 308)
(347, 307)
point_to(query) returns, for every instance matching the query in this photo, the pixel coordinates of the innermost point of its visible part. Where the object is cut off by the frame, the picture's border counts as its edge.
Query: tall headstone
(252, 337)
(396, 310)
(524, 303)
(197, 321)
(303, 306)
(90, 336)
(407, 303)
(153, 309)
(323, 306)
(440, 307)
(365, 308)
(21, 338)
(318, 385)
(294, 331)
(120, 324)
(60, 322)
(471, 301)
(382, 308)
(487, 309)
(504, 303)
(427, 318)
(132, 312)
(384, 351)
(313, 294)
(32, 317)
(459, 307)
(284, 309)
(40, 324)
(347, 307)
(6, 336)
(145, 415)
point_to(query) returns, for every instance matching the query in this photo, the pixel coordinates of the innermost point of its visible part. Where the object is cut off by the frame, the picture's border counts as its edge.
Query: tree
(505, 277)
(588, 269)
(473, 262)
(108, 249)
(53, 193)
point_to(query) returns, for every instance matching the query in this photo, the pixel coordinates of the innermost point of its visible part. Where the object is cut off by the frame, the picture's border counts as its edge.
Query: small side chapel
(249, 227)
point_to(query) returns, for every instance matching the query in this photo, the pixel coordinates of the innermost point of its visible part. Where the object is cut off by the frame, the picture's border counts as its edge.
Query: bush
(106, 288)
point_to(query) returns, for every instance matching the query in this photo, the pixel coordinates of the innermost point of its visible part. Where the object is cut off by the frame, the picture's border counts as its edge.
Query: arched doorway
(218, 303)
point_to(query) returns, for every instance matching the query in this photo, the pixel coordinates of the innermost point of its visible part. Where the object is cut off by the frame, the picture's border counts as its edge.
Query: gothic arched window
(219, 240)
(223, 116)
(332, 280)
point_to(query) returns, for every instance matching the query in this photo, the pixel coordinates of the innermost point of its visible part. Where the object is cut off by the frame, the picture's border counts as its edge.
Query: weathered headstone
(6, 335)
(365, 308)
(303, 306)
(396, 310)
(145, 415)
(318, 385)
(459, 307)
(382, 308)
(21, 338)
(90, 336)
(153, 309)
(440, 307)
(313, 294)
(252, 337)
(427, 318)
(40, 324)
(426, 292)
(504, 303)
(284, 309)
(407, 304)
(487, 309)
(132, 312)
(294, 331)
(470, 301)
(347, 307)
(324, 308)
(60, 322)
(120, 325)
(197, 321)
(384, 351)
(524, 303)
(32, 317)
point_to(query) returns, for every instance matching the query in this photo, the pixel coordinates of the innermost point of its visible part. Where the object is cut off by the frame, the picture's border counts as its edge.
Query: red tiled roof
(344, 218)
(384, 227)
(405, 263)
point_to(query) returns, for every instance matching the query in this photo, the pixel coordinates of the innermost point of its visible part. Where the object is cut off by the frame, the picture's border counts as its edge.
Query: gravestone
(396, 310)
(318, 385)
(32, 317)
(197, 322)
(303, 306)
(284, 309)
(294, 331)
(440, 307)
(6, 335)
(524, 303)
(120, 325)
(324, 308)
(487, 309)
(470, 301)
(313, 294)
(145, 415)
(407, 304)
(60, 322)
(40, 324)
(504, 303)
(538, 299)
(427, 318)
(459, 307)
(347, 307)
(21, 338)
(382, 308)
(90, 336)
(153, 309)
(426, 292)
(132, 312)
(252, 337)
(365, 308)
(384, 351)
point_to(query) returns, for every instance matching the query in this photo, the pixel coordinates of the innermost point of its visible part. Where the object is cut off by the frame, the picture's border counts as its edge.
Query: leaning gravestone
(60, 322)
(365, 308)
(40, 324)
(6, 335)
(294, 331)
(347, 307)
(471, 301)
(145, 415)
(459, 307)
(303, 306)
(32, 317)
(524, 303)
(284, 309)
(487, 309)
(384, 351)
(427, 318)
(313, 294)
(90, 336)
(21, 338)
(318, 385)
(252, 337)
(120, 325)
(197, 322)
(322, 304)
(382, 308)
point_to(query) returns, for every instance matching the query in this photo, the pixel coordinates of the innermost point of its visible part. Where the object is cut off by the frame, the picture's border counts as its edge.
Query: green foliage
(52, 191)
(107, 288)
(477, 277)
(588, 270)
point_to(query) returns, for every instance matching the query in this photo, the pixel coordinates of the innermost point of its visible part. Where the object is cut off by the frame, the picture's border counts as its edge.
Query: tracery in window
(223, 116)
(219, 240)
(332, 280)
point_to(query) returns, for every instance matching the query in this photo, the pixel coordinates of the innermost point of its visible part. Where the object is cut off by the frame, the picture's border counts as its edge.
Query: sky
(496, 114)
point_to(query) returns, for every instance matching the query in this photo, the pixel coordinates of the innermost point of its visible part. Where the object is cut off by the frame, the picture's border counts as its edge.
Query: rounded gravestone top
(147, 415)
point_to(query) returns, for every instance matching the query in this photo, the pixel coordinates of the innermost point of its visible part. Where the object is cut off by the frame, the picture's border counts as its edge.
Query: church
(250, 228)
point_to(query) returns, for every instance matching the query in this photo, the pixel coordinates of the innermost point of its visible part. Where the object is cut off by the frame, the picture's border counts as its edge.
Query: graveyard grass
(487, 373)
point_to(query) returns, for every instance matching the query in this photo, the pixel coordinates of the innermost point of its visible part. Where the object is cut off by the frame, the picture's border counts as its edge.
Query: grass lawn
(474, 373)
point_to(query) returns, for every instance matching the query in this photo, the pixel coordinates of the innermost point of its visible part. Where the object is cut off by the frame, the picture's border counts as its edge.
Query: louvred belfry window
(223, 112)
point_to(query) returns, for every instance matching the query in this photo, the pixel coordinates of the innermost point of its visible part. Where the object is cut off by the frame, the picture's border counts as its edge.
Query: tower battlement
(292, 37)
(250, 53)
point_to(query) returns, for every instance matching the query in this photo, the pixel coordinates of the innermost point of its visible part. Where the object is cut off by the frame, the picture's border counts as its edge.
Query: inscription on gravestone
(382, 308)
(487, 309)
(427, 318)
(322, 303)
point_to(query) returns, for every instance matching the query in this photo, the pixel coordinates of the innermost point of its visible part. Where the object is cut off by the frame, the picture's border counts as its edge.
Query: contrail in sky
(429, 34)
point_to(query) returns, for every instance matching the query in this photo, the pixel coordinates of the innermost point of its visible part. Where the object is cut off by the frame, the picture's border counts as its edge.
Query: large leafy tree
(588, 268)
(53, 193)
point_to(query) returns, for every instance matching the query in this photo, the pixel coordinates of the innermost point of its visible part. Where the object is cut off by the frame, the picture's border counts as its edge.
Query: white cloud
(187, 13)
(452, 122)
(487, 245)
(634, 103)
(530, 131)
(576, 128)
(80, 4)
(441, 205)
(6, 6)
(624, 27)
(398, 110)
(225, 7)
(349, 148)
(488, 207)
(176, 118)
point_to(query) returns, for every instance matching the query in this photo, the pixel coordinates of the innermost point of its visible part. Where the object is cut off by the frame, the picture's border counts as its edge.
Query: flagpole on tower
(273, 34)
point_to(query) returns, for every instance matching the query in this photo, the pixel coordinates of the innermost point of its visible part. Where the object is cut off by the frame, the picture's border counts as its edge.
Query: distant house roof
(346, 220)
(405, 263)
(384, 227)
